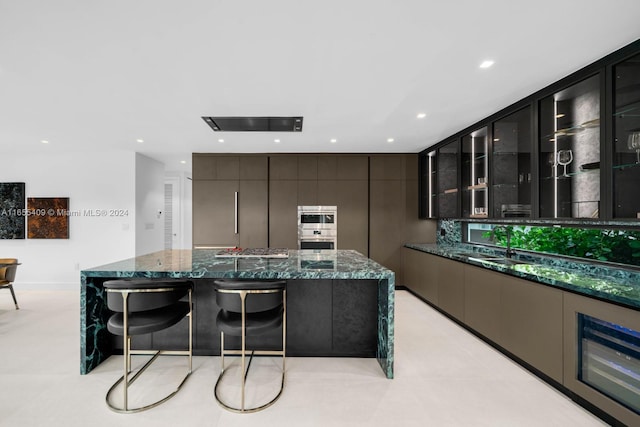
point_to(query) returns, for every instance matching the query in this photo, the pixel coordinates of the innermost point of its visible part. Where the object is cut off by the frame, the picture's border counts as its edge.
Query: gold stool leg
(245, 367)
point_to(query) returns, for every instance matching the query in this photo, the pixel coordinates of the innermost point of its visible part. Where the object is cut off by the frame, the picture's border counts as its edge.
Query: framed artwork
(48, 218)
(12, 210)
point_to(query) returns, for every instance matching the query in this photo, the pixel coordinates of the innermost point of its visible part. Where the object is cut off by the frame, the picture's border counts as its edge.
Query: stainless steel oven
(317, 227)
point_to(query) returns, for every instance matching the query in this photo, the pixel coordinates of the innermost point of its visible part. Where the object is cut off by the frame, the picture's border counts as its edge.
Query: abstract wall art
(48, 218)
(12, 210)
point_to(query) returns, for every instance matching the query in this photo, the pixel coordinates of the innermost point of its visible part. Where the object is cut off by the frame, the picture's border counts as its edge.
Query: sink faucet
(507, 229)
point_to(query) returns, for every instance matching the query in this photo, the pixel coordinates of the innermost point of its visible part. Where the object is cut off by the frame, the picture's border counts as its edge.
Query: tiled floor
(444, 377)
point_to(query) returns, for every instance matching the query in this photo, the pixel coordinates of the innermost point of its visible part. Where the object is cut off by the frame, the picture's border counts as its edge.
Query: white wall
(149, 196)
(92, 181)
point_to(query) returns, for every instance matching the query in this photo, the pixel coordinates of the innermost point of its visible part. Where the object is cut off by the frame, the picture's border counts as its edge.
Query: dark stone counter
(345, 279)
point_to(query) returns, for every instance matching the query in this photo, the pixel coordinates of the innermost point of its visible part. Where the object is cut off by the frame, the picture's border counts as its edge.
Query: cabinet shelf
(570, 174)
(625, 166)
(628, 110)
(574, 130)
(477, 187)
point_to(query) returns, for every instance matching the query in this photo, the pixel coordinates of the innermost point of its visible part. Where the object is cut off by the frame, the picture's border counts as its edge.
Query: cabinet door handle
(235, 217)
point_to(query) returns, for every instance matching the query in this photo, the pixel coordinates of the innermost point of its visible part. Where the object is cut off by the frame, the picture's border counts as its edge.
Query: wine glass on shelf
(633, 143)
(552, 160)
(565, 157)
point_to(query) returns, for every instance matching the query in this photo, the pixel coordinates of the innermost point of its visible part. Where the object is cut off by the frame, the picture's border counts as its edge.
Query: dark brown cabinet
(387, 209)
(252, 201)
(283, 214)
(351, 198)
(214, 213)
(340, 181)
(230, 202)
(523, 317)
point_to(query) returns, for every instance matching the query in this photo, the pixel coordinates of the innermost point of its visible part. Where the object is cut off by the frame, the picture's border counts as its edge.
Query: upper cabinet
(475, 168)
(569, 151)
(230, 200)
(428, 186)
(626, 142)
(447, 180)
(511, 170)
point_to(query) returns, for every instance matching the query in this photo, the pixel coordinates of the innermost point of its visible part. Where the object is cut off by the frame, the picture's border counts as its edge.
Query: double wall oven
(317, 227)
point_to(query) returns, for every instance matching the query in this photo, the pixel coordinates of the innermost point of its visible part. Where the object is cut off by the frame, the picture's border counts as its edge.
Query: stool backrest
(8, 273)
(262, 295)
(144, 294)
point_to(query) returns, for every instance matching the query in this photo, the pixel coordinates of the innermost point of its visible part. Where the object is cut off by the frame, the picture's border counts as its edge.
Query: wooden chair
(8, 267)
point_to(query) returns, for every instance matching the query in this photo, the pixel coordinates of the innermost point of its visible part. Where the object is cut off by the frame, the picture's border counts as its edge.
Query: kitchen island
(339, 303)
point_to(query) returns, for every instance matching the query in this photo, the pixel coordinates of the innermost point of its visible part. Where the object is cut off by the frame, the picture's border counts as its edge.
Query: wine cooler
(610, 360)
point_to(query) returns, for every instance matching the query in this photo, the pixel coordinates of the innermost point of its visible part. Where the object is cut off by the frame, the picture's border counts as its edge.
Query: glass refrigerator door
(610, 360)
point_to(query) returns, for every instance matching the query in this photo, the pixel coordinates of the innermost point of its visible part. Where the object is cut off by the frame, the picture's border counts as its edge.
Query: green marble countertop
(617, 285)
(202, 263)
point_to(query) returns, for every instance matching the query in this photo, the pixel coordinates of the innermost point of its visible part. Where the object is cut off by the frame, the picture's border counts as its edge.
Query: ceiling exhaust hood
(254, 124)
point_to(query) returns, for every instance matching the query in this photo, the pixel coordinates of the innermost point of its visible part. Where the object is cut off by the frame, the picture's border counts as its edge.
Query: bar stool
(143, 306)
(250, 308)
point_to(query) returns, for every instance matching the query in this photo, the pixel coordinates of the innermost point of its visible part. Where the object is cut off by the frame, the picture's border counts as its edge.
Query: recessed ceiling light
(140, 140)
(487, 63)
(44, 141)
(422, 115)
(496, 139)
(184, 162)
(221, 140)
(552, 140)
(390, 140)
(277, 141)
(558, 116)
(333, 140)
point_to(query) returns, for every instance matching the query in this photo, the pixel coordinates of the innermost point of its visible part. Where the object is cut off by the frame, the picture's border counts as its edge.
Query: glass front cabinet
(428, 185)
(569, 151)
(626, 141)
(475, 202)
(511, 170)
(447, 180)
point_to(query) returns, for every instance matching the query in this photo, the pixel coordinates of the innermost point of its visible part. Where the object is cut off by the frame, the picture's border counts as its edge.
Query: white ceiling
(98, 75)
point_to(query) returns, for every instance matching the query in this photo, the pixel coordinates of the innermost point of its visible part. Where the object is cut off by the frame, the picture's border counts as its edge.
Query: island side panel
(354, 318)
(386, 304)
(95, 340)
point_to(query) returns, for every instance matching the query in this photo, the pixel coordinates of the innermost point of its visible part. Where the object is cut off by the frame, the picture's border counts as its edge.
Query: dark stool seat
(259, 323)
(143, 306)
(150, 321)
(250, 308)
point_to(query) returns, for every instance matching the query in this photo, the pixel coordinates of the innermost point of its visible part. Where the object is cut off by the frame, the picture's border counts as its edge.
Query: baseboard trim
(48, 286)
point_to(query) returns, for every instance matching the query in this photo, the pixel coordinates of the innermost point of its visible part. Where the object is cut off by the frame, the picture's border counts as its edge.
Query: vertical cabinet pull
(235, 216)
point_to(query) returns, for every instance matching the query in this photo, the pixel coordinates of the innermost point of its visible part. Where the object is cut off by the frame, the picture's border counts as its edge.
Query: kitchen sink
(503, 261)
(477, 255)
